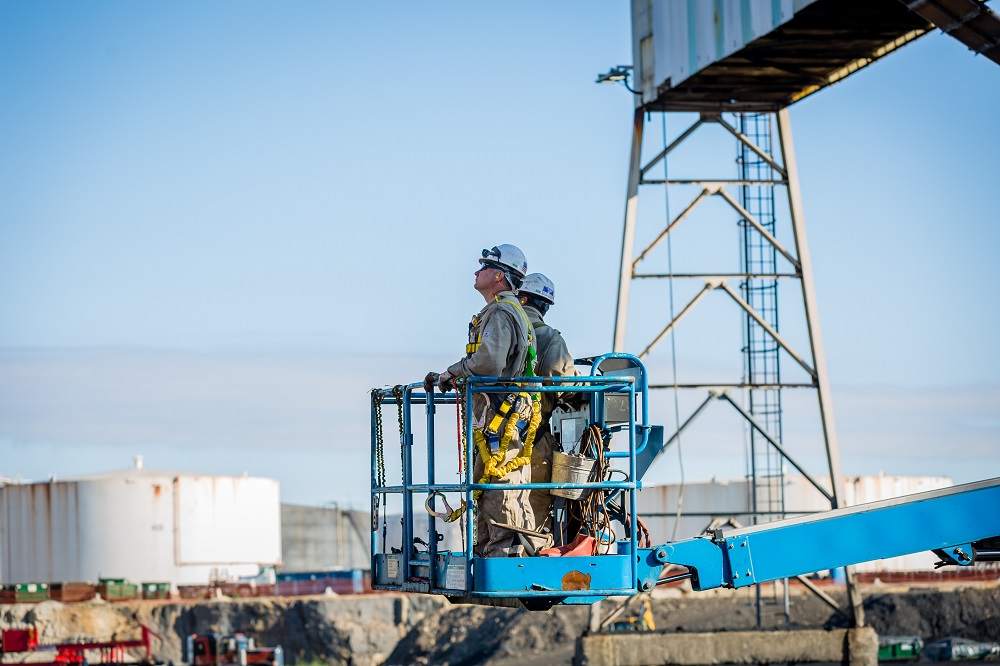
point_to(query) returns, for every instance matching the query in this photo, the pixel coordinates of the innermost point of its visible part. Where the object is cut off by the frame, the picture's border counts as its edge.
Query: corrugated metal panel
(40, 540)
(706, 55)
(697, 34)
(689, 35)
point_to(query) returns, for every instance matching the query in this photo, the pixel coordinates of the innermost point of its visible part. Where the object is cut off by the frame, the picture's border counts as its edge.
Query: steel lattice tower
(739, 65)
(762, 171)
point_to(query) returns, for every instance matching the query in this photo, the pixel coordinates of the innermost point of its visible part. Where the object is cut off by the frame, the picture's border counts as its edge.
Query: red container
(18, 640)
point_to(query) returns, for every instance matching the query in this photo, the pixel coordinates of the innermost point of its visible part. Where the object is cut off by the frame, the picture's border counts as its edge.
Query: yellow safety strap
(501, 414)
(493, 463)
(527, 322)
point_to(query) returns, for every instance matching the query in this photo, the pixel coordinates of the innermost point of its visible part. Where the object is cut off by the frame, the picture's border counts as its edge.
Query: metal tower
(738, 66)
(750, 195)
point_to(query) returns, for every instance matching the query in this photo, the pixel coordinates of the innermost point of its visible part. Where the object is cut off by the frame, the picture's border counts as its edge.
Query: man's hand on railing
(430, 381)
(445, 382)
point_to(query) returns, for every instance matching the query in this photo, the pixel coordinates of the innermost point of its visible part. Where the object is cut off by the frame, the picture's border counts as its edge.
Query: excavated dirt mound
(463, 635)
(466, 635)
(972, 613)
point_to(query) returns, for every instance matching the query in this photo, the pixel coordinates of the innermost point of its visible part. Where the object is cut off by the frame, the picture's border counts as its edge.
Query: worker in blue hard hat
(501, 341)
(537, 294)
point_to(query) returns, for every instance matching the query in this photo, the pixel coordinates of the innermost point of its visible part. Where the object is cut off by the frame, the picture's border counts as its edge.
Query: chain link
(379, 445)
(397, 392)
(460, 395)
(460, 391)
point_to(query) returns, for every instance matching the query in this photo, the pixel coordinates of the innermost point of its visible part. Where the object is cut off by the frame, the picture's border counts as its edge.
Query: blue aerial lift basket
(960, 524)
(617, 395)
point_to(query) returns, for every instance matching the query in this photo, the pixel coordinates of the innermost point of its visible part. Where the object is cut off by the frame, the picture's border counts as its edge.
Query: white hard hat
(507, 258)
(540, 286)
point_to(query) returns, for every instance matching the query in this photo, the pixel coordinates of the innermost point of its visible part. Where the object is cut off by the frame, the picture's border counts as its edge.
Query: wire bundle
(591, 512)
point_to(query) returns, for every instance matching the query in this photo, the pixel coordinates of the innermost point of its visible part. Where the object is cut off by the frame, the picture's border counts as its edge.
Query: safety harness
(493, 441)
(510, 402)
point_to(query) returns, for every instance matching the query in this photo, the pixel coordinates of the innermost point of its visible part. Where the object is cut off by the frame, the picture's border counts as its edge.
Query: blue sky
(221, 224)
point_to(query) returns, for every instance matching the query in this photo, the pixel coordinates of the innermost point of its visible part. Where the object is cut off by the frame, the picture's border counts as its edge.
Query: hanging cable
(594, 512)
(673, 343)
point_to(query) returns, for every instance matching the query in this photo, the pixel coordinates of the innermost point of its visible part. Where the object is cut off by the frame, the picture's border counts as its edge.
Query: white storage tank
(140, 524)
(657, 505)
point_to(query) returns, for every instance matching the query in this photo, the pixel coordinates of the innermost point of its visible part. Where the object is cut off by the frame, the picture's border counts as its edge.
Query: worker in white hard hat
(537, 294)
(500, 341)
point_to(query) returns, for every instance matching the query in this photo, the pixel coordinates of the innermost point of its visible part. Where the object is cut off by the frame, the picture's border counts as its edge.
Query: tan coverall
(553, 360)
(502, 334)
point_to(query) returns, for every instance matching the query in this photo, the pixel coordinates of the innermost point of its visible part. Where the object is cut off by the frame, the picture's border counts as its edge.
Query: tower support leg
(628, 234)
(816, 341)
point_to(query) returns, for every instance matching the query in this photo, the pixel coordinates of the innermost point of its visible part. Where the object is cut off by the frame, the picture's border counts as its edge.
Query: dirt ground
(466, 635)
(419, 629)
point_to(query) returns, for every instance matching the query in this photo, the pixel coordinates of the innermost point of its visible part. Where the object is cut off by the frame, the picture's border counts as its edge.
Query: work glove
(430, 381)
(446, 382)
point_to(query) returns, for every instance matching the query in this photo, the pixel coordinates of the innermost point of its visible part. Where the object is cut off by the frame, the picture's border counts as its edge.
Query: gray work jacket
(501, 334)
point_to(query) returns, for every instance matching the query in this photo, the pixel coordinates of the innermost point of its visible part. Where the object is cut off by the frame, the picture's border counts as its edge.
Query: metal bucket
(571, 469)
